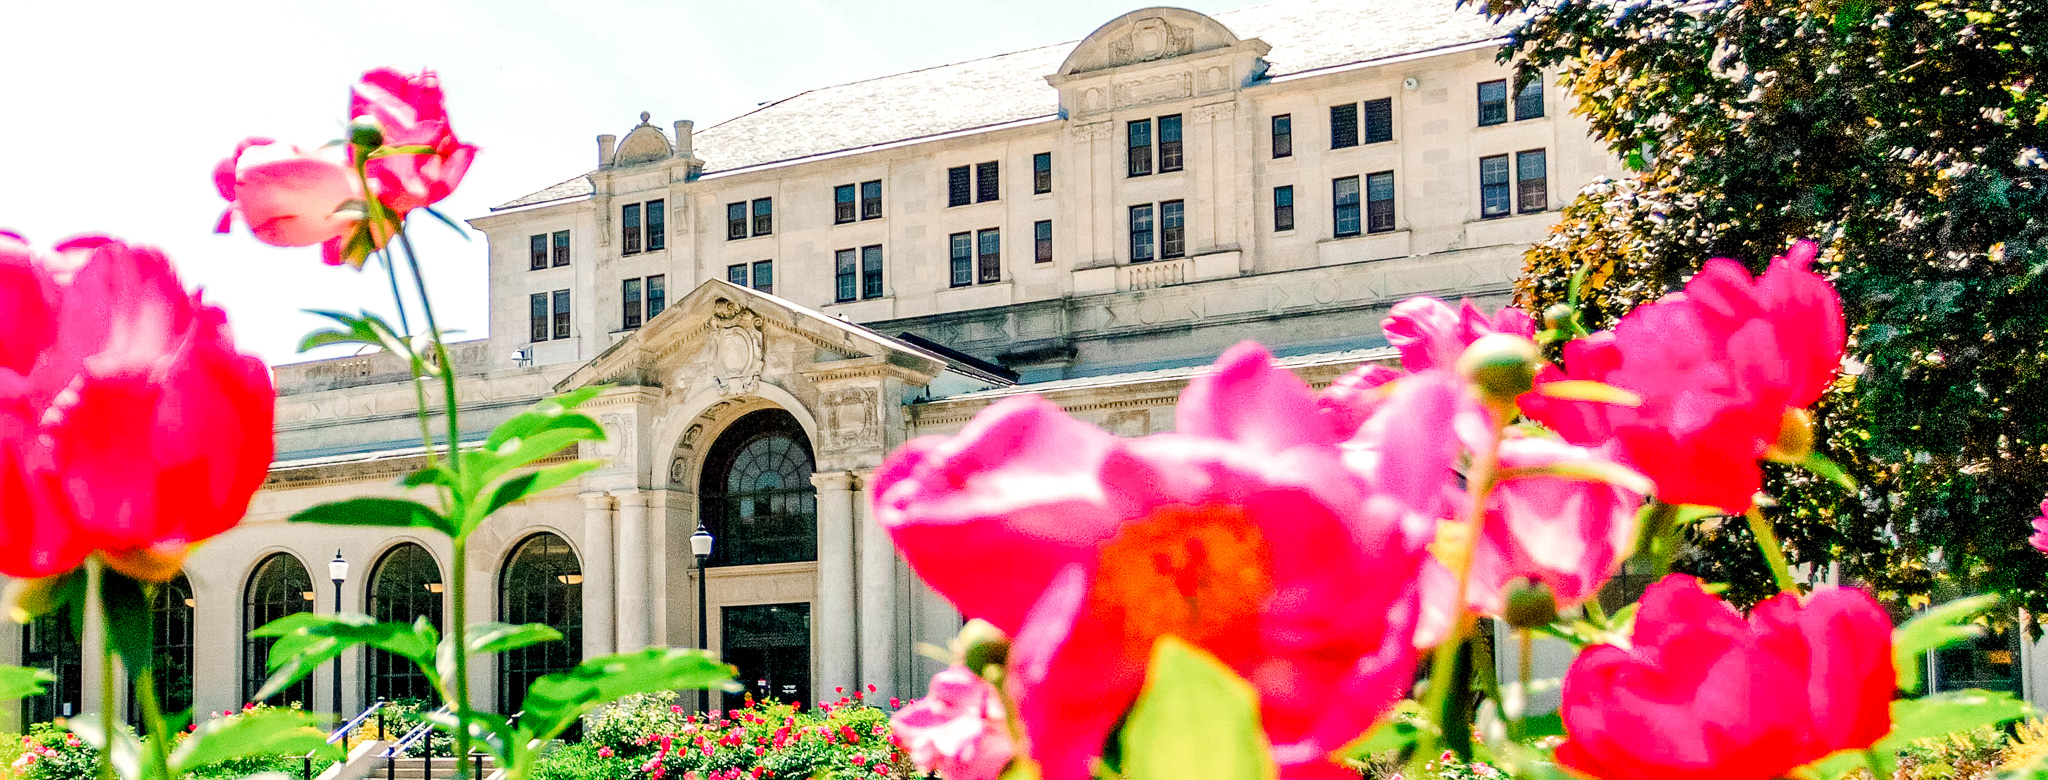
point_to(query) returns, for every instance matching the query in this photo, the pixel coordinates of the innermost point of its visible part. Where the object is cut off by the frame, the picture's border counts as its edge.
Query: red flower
(409, 110)
(1719, 366)
(1706, 695)
(2040, 538)
(129, 423)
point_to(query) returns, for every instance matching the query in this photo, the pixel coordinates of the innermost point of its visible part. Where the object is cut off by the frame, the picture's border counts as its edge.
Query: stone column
(600, 590)
(631, 585)
(877, 595)
(835, 614)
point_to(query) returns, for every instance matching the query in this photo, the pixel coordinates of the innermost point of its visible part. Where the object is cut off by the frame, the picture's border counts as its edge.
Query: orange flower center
(1198, 573)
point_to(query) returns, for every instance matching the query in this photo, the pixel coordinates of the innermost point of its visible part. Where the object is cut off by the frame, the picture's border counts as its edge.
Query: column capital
(596, 500)
(833, 480)
(630, 497)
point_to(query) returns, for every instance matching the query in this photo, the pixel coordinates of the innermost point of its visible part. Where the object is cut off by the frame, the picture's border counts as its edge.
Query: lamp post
(337, 569)
(700, 544)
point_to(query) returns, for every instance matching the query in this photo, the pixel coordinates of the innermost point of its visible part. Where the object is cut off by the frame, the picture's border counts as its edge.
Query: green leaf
(536, 481)
(494, 638)
(546, 415)
(368, 329)
(555, 701)
(126, 748)
(387, 151)
(1935, 629)
(21, 682)
(1398, 731)
(1949, 712)
(1827, 469)
(1605, 471)
(128, 617)
(306, 641)
(1194, 718)
(446, 221)
(264, 732)
(387, 512)
(1588, 390)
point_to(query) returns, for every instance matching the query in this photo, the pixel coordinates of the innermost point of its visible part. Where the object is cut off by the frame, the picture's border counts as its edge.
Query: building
(777, 300)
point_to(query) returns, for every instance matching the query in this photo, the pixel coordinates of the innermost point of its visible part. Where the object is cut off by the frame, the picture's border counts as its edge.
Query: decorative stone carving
(676, 467)
(1093, 101)
(1129, 422)
(1095, 132)
(1215, 78)
(1170, 86)
(691, 436)
(1150, 39)
(853, 418)
(738, 351)
(1215, 111)
(618, 436)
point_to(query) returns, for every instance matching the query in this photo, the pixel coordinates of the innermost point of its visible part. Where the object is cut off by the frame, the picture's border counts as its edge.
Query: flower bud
(1501, 365)
(980, 645)
(1557, 315)
(1795, 437)
(1529, 606)
(27, 600)
(365, 132)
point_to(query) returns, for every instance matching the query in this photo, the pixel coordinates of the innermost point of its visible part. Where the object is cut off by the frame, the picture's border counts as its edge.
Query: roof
(1345, 357)
(1305, 35)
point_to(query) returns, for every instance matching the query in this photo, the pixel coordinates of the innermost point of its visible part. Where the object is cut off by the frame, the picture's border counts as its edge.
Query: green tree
(1907, 138)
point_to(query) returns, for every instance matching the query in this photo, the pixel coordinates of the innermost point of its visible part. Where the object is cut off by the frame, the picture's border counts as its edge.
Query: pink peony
(409, 110)
(292, 197)
(1706, 695)
(958, 730)
(1295, 572)
(2040, 538)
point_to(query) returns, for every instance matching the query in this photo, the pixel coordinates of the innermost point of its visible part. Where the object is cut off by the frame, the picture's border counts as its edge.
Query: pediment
(1147, 35)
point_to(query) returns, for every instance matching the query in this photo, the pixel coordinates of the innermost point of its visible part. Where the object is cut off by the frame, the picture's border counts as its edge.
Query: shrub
(652, 737)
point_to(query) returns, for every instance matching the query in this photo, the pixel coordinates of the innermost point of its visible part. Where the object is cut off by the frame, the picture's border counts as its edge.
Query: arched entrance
(279, 587)
(405, 586)
(542, 583)
(170, 640)
(48, 643)
(757, 498)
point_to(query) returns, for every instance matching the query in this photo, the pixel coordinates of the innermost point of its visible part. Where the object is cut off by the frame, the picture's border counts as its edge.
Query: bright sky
(113, 113)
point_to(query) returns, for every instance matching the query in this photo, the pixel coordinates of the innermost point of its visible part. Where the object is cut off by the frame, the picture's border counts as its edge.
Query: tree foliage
(1906, 137)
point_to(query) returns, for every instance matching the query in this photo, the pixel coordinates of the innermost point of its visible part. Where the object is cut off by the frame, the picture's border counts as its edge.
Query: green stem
(391, 273)
(419, 390)
(459, 561)
(153, 719)
(1524, 672)
(1767, 540)
(1442, 667)
(95, 578)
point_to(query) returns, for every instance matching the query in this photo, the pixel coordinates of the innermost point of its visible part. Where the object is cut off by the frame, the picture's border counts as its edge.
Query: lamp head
(337, 569)
(700, 543)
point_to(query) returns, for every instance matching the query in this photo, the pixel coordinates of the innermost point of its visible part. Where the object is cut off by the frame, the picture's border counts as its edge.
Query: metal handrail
(415, 735)
(341, 735)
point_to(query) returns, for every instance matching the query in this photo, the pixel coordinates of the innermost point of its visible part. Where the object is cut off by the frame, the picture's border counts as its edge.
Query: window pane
(957, 189)
(764, 216)
(539, 316)
(657, 296)
(1493, 102)
(657, 225)
(1344, 196)
(962, 259)
(1379, 202)
(1379, 120)
(871, 199)
(1041, 173)
(1172, 229)
(1344, 126)
(737, 274)
(629, 298)
(1169, 143)
(991, 264)
(1532, 185)
(1283, 208)
(540, 252)
(1283, 136)
(842, 204)
(1141, 233)
(561, 314)
(843, 275)
(1529, 101)
(1139, 156)
(764, 276)
(735, 221)
(561, 248)
(629, 224)
(1041, 236)
(871, 271)
(1493, 186)
(986, 187)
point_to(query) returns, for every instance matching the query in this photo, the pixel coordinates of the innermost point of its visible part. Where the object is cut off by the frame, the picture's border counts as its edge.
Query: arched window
(542, 583)
(405, 586)
(49, 643)
(758, 501)
(279, 587)
(170, 628)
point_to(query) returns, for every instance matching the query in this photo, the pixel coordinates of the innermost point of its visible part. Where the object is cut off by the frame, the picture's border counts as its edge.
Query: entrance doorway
(771, 646)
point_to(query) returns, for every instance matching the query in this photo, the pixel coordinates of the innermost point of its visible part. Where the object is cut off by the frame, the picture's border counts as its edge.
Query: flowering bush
(651, 736)
(52, 751)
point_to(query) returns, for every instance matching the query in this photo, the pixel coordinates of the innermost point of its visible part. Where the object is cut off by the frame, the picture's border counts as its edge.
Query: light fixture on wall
(189, 603)
(569, 579)
(435, 587)
(307, 595)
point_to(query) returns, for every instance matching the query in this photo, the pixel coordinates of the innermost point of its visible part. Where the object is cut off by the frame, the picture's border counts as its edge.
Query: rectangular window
(1283, 136)
(764, 216)
(1379, 202)
(629, 298)
(539, 318)
(1529, 100)
(1172, 229)
(1283, 208)
(1493, 187)
(842, 204)
(845, 274)
(986, 185)
(561, 248)
(1141, 234)
(737, 274)
(963, 259)
(1532, 182)
(871, 271)
(657, 296)
(990, 261)
(561, 314)
(1169, 143)
(1379, 120)
(657, 225)
(1041, 238)
(540, 252)
(735, 221)
(1344, 200)
(871, 199)
(1493, 102)
(958, 188)
(1041, 173)
(764, 276)
(1138, 135)
(1344, 126)
(629, 223)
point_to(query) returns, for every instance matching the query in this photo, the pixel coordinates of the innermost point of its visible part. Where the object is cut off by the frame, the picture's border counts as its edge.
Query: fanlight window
(542, 583)
(758, 501)
(405, 586)
(280, 587)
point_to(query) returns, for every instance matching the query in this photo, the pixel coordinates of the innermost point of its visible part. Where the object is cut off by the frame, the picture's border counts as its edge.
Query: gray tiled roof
(1306, 35)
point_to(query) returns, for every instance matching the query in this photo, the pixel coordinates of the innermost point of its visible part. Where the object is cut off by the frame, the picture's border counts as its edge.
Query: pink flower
(1281, 564)
(1719, 366)
(958, 730)
(129, 423)
(1571, 534)
(2040, 538)
(604, 752)
(1429, 335)
(292, 197)
(409, 110)
(1705, 694)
